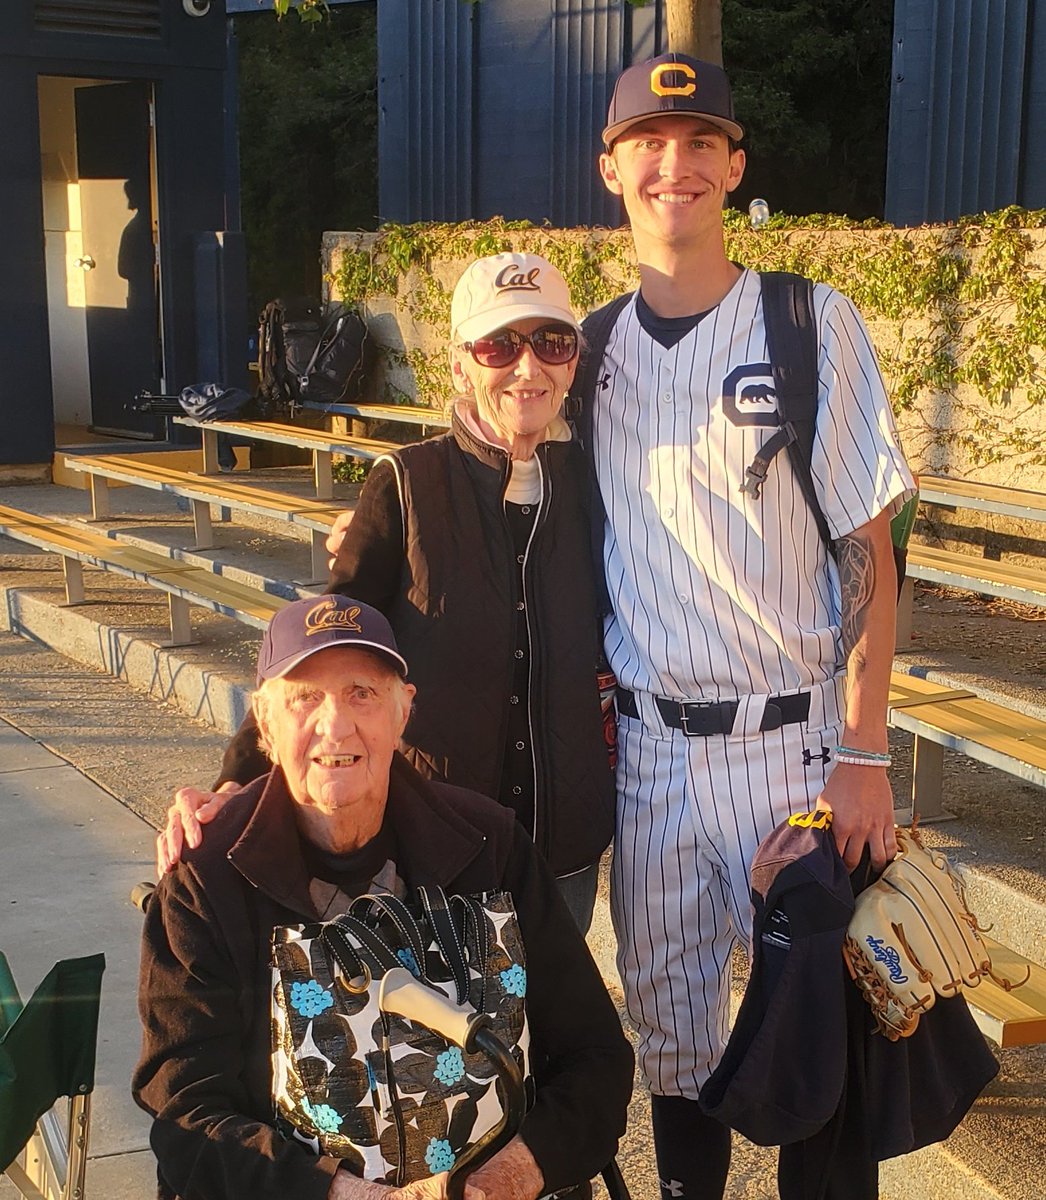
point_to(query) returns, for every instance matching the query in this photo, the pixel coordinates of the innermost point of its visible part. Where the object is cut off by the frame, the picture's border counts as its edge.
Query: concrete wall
(943, 433)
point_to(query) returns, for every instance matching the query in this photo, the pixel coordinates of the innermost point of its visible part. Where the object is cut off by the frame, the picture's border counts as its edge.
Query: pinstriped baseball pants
(690, 814)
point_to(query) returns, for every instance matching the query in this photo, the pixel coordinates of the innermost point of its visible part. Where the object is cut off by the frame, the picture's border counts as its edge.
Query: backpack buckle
(755, 477)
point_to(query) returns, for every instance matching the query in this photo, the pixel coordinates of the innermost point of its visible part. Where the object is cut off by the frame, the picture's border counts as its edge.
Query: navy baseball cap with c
(313, 624)
(671, 83)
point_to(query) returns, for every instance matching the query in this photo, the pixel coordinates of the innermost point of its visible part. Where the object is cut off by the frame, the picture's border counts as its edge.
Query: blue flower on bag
(409, 961)
(322, 1116)
(310, 999)
(439, 1155)
(514, 981)
(449, 1066)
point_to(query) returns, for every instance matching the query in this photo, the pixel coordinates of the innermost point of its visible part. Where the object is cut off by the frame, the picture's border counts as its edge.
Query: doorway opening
(100, 220)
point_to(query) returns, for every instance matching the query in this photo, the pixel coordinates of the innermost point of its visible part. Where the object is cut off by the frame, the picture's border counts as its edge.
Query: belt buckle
(773, 717)
(684, 718)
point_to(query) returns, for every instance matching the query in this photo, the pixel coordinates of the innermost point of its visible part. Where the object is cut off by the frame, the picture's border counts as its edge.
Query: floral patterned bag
(395, 1099)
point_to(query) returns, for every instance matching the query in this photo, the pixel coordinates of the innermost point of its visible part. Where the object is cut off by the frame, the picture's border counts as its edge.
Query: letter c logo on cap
(667, 89)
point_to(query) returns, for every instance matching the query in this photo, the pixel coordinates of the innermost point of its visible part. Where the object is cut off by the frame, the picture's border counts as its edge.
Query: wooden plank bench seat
(982, 497)
(986, 576)
(184, 584)
(1017, 1017)
(202, 491)
(323, 446)
(968, 571)
(411, 414)
(942, 718)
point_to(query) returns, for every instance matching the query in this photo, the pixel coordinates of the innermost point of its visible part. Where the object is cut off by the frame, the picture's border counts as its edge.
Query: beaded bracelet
(872, 754)
(854, 761)
(861, 758)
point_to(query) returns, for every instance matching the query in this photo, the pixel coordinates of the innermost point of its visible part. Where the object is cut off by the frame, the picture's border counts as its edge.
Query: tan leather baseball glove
(913, 938)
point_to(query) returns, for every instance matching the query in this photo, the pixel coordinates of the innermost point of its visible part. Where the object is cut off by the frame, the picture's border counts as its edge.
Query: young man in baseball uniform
(753, 667)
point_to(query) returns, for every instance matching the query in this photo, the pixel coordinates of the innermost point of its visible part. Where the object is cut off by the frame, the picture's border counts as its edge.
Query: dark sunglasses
(553, 344)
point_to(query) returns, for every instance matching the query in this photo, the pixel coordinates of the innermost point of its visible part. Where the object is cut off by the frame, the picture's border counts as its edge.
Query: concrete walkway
(69, 857)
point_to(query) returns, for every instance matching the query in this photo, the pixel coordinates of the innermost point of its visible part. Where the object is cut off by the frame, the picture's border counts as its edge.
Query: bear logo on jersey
(749, 397)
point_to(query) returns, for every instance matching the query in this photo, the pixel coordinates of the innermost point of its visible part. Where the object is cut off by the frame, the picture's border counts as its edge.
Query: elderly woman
(339, 814)
(477, 546)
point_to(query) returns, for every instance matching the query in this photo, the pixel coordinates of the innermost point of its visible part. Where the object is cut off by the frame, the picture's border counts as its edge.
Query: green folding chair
(47, 1051)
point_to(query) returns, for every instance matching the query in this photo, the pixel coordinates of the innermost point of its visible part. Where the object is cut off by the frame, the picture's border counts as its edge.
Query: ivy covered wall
(957, 313)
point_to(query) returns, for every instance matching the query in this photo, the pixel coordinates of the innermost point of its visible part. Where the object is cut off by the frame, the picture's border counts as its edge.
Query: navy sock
(693, 1150)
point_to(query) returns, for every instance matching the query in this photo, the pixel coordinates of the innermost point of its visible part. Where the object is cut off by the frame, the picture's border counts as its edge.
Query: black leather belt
(703, 718)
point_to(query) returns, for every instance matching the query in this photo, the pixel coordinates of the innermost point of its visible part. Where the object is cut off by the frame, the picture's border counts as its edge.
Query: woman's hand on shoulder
(191, 810)
(336, 536)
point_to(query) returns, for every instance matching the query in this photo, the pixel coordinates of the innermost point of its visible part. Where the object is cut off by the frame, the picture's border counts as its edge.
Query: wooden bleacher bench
(943, 718)
(953, 718)
(322, 445)
(184, 585)
(409, 413)
(982, 497)
(984, 575)
(315, 515)
(1016, 1018)
(967, 571)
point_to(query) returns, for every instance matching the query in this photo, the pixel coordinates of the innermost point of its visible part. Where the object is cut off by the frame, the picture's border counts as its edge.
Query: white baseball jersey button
(519, 653)
(520, 606)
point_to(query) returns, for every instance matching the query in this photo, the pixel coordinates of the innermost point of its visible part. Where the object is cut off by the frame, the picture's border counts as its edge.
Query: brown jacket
(204, 1072)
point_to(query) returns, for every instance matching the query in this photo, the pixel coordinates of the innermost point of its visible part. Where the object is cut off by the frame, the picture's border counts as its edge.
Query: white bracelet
(854, 761)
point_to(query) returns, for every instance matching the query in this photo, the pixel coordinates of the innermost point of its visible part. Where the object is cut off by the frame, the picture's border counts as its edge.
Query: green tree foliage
(811, 83)
(308, 141)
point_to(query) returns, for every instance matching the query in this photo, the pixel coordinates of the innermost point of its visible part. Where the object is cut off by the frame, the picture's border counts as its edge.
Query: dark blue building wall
(495, 109)
(968, 108)
(186, 63)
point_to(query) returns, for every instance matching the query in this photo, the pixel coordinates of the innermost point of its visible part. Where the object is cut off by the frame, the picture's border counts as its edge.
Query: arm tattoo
(857, 581)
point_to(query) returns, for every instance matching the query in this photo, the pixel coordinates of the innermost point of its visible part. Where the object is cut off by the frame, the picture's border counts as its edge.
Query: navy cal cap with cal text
(671, 83)
(310, 625)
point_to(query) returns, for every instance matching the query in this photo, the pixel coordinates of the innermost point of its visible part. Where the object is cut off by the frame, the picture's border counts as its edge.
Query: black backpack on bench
(308, 352)
(791, 337)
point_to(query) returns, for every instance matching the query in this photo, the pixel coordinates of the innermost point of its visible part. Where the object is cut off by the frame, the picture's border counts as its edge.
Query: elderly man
(340, 814)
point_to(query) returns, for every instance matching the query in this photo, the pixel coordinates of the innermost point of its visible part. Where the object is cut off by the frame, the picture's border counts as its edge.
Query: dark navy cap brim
(284, 666)
(613, 132)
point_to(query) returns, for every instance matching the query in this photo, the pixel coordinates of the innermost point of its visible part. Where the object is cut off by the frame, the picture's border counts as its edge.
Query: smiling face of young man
(673, 173)
(332, 725)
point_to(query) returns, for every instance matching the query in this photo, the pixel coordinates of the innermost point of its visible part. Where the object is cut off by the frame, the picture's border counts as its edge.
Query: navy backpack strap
(590, 376)
(596, 329)
(791, 338)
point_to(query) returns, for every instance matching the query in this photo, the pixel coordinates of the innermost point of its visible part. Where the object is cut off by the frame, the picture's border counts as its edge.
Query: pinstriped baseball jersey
(717, 594)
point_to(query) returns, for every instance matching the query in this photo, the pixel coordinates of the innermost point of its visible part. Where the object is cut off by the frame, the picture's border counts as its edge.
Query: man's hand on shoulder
(861, 802)
(191, 810)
